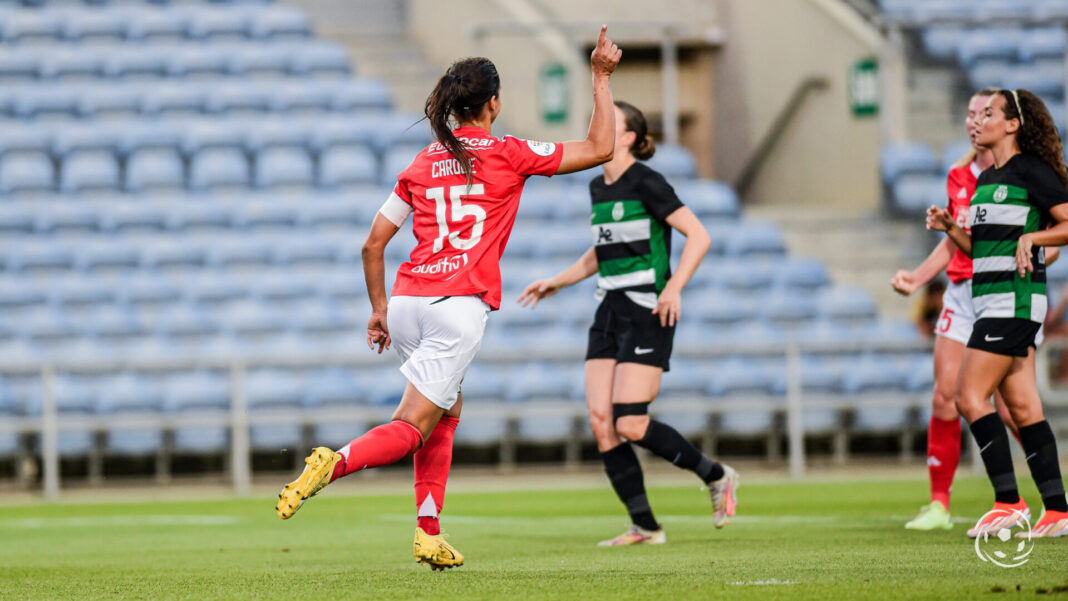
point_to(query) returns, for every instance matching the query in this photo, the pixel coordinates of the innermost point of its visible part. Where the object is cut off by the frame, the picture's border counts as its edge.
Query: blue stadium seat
(305, 97)
(907, 157)
(237, 98)
(249, 60)
(108, 102)
(184, 321)
(26, 172)
(26, 136)
(755, 239)
(111, 322)
(337, 130)
(198, 62)
(198, 214)
(47, 102)
(870, 373)
(15, 293)
(18, 65)
(322, 58)
(162, 253)
(145, 135)
(892, 330)
(277, 134)
(332, 386)
(344, 166)
(982, 44)
(265, 212)
(140, 289)
(788, 309)
(198, 392)
(39, 255)
(45, 324)
(170, 98)
(745, 276)
(154, 169)
(395, 129)
(18, 217)
(1041, 43)
(107, 254)
(72, 291)
(84, 137)
(72, 64)
(154, 25)
(674, 162)
(272, 388)
(916, 192)
(217, 168)
(279, 167)
(68, 217)
(707, 198)
(305, 251)
(920, 374)
(720, 306)
(1043, 79)
(846, 303)
(941, 42)
(95, 26)
(396, 160)
(214, 287)
(990, 73)
(804, 273)
(251, 318)
(214, 133)
(235, 252)
(953, 152)
(216, 24)
(737, 376)
(361, 94)
(89, 171)
(280, 23)
(32, 26)
(132, 216)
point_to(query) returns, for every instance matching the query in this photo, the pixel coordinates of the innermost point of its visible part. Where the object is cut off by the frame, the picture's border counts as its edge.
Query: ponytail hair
(1037, 134)
(970, 155)
(466, 86)
(643, 147)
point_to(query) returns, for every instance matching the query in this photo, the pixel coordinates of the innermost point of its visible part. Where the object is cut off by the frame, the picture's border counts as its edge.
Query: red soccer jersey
(461, 232)
(960, 186)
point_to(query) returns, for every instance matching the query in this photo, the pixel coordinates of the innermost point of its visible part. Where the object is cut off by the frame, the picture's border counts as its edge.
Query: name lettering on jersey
(980, 215)
(468, 143)
(442, 265)
(604, 235)
(449, 167)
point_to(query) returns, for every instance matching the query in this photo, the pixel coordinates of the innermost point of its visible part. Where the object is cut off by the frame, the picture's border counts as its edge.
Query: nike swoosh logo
(642, 351)
(986, 446)
(989, 339)
(1028, 458)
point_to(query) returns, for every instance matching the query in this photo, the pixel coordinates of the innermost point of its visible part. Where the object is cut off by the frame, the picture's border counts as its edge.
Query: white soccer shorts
(958, 316)
(437, 338)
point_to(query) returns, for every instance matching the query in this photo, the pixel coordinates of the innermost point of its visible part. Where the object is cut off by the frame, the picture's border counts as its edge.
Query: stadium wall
(826, 156)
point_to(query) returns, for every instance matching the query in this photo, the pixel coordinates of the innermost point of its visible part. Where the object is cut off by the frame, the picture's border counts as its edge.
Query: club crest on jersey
(618, 211)
(1001, 193)
(442, 265)
(542, 149)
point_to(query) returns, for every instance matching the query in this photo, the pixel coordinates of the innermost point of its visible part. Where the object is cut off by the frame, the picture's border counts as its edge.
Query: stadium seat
(155, 26)
(674, 162)
(214, 287)
(401, 129)
(259, 61)
(198, 214)
(236, 252)
(237, 98)
(277, 134)
(345, 166)
(110, 322)
(145, 135)
(73, 292)
(83, 137)
(173, 99)
(332, 386)
(107, 254)
(755, 239)
(95, 27)
(218, 168)
(184, 321)
(907, 157)
(108, 103)
(267, 212)
(322, 58)
(941, 41)
(89, 171)
(18, 65)
(67, 217)
(154, 169)
(218, 25)
(162, 253)
(244, 318)
(804, 274)
(280, 23)
(70, 65)
(199, 391)
(305, 97)
(147, 289)
(916, 192)
(26, 172)
(45, 324)
(361, 94)
(1040, 43)
(198, 62)
(47, 102)
(706, 198)
(846, 303)
(32, 27)
(987, 44)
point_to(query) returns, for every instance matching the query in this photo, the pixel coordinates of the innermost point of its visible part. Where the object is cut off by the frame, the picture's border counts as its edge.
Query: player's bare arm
(600, 140)
(1054, 236)
(374, 273)
(907, 282)
(939, 220)
(669, 303)
(578, 271)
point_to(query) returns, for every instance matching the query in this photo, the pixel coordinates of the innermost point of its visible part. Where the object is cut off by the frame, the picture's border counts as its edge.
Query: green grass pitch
(809, 540)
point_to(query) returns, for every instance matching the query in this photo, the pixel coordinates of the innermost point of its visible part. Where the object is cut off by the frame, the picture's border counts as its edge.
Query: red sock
(432, 463)
(943, 455)
(380, 446)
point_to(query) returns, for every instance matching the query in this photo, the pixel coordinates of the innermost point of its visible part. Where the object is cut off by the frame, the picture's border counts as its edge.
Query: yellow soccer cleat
(316, 475)
(434, 551)
(931, 517)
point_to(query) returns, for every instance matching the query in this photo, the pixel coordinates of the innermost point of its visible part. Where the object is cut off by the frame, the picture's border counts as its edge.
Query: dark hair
(1037, 134)
(643, 147)
(468, 84)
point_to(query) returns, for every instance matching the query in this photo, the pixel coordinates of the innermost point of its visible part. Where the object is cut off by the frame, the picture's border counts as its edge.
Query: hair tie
(1019, 110)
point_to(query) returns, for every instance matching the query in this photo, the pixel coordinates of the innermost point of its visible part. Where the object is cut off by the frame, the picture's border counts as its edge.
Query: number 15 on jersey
(454, 212)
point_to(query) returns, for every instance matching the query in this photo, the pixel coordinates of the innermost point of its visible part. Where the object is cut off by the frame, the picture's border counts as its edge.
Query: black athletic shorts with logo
(629, 333)
(1004, 336)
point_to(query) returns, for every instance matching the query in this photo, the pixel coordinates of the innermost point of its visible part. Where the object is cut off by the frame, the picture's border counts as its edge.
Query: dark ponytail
(644, 147)
(460, 94)
(1037, 134)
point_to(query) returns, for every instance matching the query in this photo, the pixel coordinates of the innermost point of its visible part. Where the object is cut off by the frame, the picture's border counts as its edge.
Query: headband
(1019, 110)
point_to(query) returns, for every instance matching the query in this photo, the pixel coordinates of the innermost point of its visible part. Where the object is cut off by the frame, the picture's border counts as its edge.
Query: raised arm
(374, 273)
(601, 139)
(939, 220)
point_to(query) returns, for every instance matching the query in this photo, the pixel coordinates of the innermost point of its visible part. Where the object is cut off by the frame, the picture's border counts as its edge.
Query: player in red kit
(953, 329)
(462, 193)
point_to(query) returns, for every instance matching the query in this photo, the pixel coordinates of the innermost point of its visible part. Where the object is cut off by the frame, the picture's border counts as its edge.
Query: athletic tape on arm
(395, 209)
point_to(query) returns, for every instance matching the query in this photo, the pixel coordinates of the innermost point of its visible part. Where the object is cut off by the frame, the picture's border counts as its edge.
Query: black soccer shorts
(629, 333)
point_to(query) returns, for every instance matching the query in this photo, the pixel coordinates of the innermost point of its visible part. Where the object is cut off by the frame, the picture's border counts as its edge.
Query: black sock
(666, 442)
(625, 473)
(993, 443)
(1041, 449)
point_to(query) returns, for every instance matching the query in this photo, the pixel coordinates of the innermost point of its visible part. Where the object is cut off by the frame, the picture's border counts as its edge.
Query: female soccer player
(463, 192)
(953, 329)
(1015, 200)
(634, 211)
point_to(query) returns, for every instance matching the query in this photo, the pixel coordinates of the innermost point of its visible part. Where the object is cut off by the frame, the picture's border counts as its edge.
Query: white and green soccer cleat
(931, 517)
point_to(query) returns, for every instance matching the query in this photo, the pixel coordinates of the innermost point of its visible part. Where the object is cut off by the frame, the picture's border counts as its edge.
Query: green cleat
(931, 517)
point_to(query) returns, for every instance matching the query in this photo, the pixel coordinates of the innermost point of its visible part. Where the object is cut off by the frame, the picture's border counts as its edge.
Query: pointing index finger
(601, 37)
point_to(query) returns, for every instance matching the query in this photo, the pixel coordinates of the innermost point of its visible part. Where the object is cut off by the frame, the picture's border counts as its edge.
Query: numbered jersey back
(461, 230)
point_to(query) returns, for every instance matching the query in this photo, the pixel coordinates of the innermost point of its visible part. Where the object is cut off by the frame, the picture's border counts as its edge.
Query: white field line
(668, 519)
(771, 582)
(119, 521)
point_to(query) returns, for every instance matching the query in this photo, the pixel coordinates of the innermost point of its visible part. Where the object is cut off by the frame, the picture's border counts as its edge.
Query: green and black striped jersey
(1009, 202)
(630, 233)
